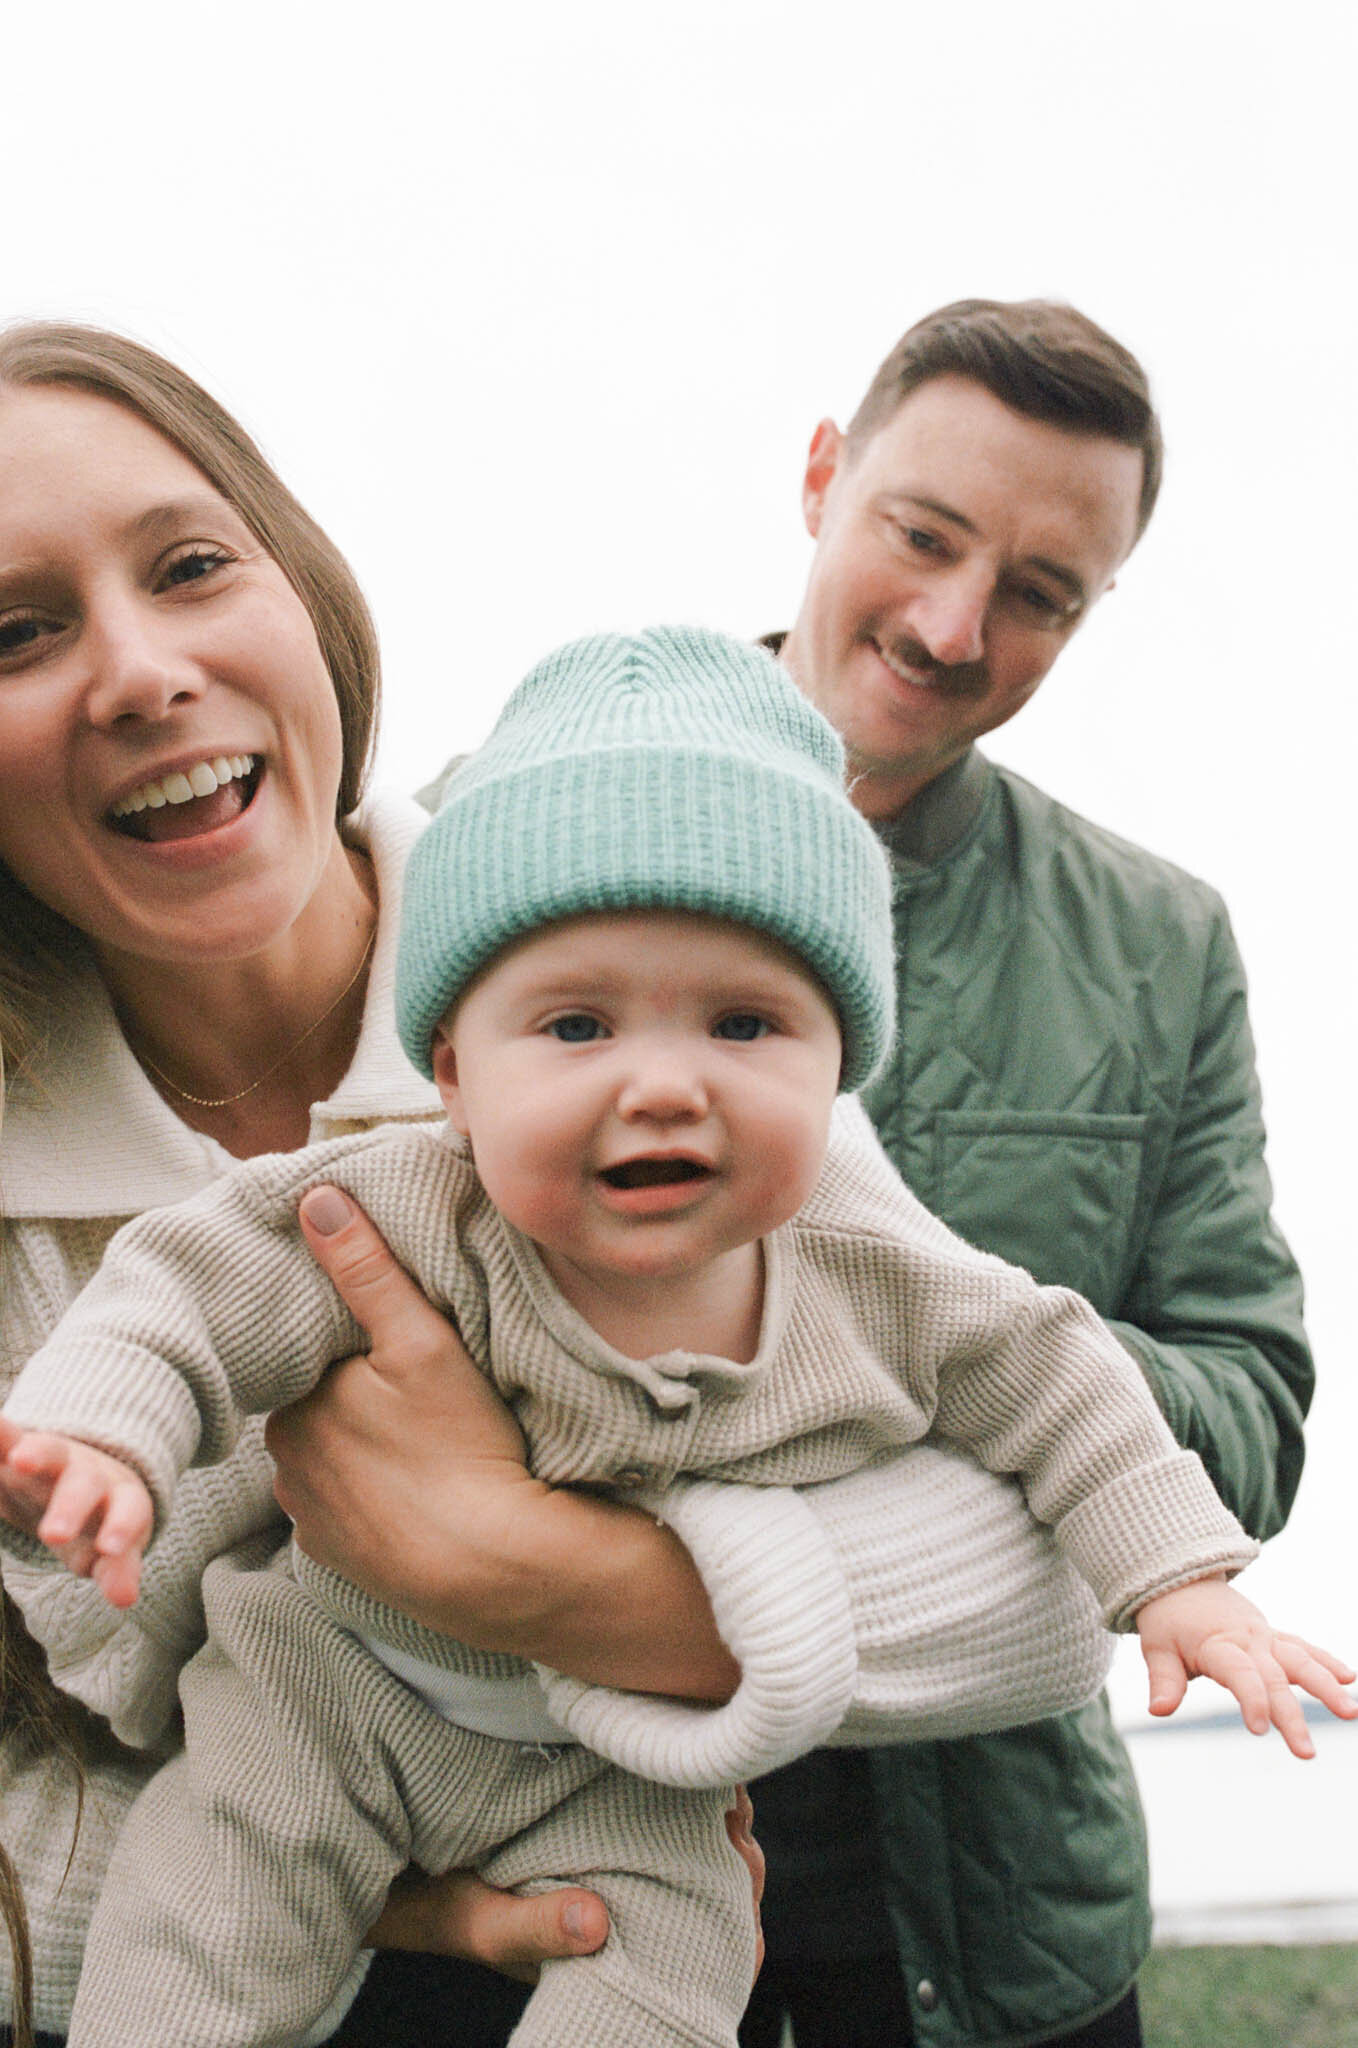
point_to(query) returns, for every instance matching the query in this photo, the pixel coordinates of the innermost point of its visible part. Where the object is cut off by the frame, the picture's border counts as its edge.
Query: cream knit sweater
(879, 1325)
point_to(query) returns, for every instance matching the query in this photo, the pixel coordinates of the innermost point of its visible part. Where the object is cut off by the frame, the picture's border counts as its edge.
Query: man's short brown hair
(1041, 358)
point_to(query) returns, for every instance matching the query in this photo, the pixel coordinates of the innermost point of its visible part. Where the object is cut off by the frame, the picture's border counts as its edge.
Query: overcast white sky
(536, 307)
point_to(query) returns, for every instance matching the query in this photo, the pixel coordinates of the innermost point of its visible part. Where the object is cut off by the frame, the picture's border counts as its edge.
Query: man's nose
(949, 618)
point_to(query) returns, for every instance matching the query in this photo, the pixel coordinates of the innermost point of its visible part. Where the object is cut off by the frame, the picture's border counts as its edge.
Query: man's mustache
(957, 679)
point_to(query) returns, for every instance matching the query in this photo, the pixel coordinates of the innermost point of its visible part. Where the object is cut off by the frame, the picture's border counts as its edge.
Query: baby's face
(643, 1092)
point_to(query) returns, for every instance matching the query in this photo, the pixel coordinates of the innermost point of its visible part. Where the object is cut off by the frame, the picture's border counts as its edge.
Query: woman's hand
(405, 1472)
(740, 1827)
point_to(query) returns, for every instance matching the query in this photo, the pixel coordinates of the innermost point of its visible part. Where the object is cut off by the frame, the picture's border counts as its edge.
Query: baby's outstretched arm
(1208, 1630)
(90, 1508)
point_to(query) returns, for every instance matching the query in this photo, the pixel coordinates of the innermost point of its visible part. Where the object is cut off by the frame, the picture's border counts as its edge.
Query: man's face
(957, 551)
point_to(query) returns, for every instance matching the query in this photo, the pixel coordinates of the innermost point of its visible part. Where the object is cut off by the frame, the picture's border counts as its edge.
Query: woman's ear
(445, 1078)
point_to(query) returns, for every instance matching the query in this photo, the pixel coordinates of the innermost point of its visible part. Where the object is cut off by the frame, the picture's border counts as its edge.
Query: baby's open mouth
(653, 1173)
(197, 799)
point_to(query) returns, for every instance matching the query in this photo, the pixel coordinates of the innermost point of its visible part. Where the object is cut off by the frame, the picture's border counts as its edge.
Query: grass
(1303, 1997)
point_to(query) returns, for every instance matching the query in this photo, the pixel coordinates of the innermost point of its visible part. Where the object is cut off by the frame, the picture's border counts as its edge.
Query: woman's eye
(742, 1026)
(576, 1028)
(22, 631)
(194, 565)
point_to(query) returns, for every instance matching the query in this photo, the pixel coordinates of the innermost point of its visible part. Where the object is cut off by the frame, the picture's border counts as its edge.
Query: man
(1073, 1088)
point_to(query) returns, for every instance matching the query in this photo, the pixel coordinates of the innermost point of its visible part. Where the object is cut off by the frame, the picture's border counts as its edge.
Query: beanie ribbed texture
(677, 769)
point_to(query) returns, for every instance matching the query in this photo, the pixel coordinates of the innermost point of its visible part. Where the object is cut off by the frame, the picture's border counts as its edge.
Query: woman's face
(148, 646)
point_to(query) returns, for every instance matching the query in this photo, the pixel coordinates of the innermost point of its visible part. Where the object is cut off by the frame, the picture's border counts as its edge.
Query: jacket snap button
(927, 1994)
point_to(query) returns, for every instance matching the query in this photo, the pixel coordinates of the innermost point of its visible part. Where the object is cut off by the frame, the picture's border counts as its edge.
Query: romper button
(927, 1994)
(633, 1475)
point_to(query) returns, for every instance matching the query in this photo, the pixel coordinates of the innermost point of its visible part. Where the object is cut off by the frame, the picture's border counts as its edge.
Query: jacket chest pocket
(1054, 1193)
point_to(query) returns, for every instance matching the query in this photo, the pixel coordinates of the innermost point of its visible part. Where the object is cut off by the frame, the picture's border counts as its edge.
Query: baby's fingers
(1260, 1685)
(58, 1472)
(79, 1493)
(1318, 1672)
(118, 1577)
(1168, 1679)
(126, 1526)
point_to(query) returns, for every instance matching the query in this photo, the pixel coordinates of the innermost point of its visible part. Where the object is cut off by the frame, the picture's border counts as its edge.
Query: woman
(197, 920)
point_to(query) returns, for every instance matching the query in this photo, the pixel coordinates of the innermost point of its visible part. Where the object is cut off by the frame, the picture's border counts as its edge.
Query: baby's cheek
(781, 1181)
(545, 1204)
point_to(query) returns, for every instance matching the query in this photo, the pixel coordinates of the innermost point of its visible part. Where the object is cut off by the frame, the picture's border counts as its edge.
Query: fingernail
(574, 1919)
(326, 1210)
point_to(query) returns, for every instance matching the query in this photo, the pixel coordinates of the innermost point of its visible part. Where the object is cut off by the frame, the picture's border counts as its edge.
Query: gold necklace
(224, 1101)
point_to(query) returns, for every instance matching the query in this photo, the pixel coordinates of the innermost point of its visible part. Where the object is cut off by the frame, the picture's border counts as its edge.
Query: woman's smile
(182, 802)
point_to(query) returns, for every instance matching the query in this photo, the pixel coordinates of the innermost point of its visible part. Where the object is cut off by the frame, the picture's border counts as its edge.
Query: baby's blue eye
(576, 1028)
(742, 1026)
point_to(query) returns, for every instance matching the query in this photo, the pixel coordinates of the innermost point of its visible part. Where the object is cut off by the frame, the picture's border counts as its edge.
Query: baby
(645, 946)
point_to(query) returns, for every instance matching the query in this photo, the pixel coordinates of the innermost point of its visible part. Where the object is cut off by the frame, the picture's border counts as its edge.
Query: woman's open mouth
(200, 798)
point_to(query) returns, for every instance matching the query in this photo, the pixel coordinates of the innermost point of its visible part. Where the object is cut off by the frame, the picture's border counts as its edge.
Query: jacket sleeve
(914, 1600)
(1213, 1312)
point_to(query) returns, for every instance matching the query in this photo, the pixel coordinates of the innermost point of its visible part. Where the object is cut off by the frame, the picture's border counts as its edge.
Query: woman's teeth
(200, 780)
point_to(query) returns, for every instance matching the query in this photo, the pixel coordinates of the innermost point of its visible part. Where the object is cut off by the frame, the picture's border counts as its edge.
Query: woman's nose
(136, 668)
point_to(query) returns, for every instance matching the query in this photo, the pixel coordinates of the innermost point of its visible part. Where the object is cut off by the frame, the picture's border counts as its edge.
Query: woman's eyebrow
(179, 512)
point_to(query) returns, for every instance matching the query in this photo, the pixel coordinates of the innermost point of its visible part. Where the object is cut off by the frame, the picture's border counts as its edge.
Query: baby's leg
(251, 1867)
(677, 1967)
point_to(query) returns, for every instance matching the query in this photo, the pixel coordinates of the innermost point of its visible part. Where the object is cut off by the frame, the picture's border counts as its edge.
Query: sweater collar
(85, 1133)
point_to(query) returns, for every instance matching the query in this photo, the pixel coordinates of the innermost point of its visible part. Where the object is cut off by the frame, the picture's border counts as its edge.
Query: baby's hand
(1209, 1630)
(91, 1509)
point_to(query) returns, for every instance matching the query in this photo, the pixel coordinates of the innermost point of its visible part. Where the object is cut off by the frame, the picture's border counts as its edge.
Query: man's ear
(445, 1079)
(822, 463)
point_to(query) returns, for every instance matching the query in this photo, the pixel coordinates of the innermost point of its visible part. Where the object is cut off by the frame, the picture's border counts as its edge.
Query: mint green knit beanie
(676, 770)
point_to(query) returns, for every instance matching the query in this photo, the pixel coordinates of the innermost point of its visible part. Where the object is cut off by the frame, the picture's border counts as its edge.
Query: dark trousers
(863, 2005)
(411, 2001)
(423, 2002)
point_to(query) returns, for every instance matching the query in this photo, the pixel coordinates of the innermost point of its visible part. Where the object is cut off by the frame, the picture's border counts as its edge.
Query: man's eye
(742, 1026)
(576, 1028)
(921, 540)
(1046, 609)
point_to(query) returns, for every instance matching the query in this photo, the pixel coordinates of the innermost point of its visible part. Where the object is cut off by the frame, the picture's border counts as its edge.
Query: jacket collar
(940, 815)
(85, 1133)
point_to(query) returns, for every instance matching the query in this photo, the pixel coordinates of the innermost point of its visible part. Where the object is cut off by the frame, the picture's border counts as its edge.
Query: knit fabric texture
(676, 770)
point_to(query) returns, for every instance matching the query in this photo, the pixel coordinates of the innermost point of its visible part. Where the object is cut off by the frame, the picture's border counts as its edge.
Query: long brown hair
(34, 1715)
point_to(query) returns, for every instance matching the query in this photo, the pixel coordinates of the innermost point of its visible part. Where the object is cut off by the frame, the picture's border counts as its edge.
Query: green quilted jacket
(1072, 1087)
